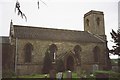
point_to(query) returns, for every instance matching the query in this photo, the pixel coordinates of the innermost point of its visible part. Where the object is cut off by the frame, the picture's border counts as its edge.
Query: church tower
(94, 23)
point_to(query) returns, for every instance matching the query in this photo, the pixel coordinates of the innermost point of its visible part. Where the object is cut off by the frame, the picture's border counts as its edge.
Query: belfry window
(96, 53)
(87, 22)
(28, 52)
(98, 21)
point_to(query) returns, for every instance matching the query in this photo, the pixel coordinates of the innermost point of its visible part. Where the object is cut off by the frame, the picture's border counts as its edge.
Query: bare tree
(19, 11)
(17, 6)
(39, 3)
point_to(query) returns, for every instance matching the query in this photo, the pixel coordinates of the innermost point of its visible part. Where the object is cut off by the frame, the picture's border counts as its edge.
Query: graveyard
(44, 50)
(109, 75)
(74, 75)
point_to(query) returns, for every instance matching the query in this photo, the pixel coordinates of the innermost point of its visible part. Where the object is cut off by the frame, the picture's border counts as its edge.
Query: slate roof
(27, 32)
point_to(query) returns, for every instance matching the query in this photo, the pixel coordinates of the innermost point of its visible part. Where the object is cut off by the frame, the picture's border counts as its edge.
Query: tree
(116, 48)
(17, 6)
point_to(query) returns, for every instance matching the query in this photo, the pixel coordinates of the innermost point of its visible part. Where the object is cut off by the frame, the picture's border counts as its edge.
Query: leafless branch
(17, 6)
(38, 3)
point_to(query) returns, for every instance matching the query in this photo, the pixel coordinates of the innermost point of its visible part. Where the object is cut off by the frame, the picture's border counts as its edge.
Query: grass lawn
(31, 76)
(74, 75)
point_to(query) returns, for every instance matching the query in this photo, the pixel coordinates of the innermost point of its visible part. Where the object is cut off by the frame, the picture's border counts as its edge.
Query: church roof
(27, 32)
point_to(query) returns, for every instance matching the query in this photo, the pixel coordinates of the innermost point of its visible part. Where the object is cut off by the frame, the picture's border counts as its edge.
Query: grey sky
(61, 14)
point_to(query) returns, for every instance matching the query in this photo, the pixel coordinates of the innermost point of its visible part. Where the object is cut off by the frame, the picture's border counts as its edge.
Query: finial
(11, 20)
(11, 23)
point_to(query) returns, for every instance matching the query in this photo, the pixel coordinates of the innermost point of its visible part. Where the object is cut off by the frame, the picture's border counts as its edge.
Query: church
(35, 48)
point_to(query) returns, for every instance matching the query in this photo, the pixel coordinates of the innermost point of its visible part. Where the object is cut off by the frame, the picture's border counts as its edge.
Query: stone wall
(7, 61)
(40, 47)
(26, 69)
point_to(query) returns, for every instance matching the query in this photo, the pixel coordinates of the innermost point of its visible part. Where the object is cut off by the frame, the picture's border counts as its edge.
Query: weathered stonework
(40, 48)
(65, 41)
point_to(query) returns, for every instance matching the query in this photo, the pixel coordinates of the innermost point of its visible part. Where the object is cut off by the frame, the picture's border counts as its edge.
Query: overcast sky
(61, 14)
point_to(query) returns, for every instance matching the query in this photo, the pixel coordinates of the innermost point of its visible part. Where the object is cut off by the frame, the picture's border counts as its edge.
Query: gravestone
(69, 75)
(46, 76)
(95, 67)
(115, 68)
(59, 75)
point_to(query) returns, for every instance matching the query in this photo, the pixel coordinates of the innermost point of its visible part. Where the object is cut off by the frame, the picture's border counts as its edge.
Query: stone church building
(70, 49)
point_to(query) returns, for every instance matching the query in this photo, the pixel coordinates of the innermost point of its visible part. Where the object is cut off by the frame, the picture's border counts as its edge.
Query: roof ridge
(47, 28)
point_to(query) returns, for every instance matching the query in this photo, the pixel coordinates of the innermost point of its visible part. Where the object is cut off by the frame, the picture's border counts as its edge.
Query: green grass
(107, 72)
(74, 75)
(30, 76)
(112, 75)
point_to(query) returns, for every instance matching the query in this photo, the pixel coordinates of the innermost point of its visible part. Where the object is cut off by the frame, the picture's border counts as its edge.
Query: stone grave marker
(69, 75)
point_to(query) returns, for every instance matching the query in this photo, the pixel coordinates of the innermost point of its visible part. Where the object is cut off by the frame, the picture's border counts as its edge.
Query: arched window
(87, 22)
(98, 21)
(77, 50)
(28, 52)
(52, 50)
(96, 52)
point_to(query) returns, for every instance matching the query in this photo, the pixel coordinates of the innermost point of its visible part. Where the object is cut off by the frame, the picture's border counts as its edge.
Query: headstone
(115, 68)
(59, 75)
(95, 67)
(46, 76)
(69, 74)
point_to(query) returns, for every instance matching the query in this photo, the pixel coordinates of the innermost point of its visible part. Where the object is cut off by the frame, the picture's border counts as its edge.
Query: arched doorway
(70, 63)
(77, 50)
